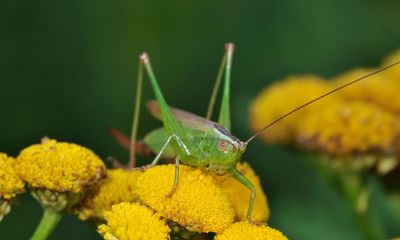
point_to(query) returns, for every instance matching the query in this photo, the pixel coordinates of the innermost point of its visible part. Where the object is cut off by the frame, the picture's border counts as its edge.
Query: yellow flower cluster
(10, 183)
(357, 120)
(381, 89)
(198, 203)
(393, 73)
(202, 203)
(119, 186)
(132, 221)
(133, 204)
(275, 101)
(59, 166)
(348, 128)
(244, 230)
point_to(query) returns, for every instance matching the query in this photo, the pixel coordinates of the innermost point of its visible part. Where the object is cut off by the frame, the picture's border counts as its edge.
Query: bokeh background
(68, 71)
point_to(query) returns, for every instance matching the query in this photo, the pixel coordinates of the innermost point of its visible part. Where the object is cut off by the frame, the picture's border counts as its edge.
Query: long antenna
(318, 98)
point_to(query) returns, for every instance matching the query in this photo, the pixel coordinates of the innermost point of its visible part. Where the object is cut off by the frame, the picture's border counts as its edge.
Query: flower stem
(47, 224)
(352, 188)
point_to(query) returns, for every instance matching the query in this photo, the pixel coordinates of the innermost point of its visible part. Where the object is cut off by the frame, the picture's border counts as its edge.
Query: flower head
(119, 186)
(59, 166)
(380, 89)
(239, 195)
(393, 73)
(348, 128)
(244, 230)
(198, 204)
(10, 183)
(277, 100)
(131, 221)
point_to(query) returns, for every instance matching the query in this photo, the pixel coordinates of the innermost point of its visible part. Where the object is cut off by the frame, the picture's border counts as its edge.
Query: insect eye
(222, 145)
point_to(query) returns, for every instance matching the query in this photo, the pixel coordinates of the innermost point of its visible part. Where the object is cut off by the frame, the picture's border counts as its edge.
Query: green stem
(352, 187)
(47, 224)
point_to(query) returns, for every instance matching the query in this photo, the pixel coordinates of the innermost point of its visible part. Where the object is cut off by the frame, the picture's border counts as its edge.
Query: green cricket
(198, 141)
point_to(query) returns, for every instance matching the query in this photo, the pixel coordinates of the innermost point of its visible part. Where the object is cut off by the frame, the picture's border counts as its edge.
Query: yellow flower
(10, 183)
(282, 97)
(239, 195)
(131, 221)
(348, 128)
(59, 166)
(246, 231)
(119, 186)
(380, 89)
(393, 73)
(199, 204)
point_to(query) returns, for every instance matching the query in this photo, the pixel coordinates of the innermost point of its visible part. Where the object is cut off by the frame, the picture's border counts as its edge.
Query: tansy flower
(348, 128)
(119, 186)
(198, 204)
(246, 231)
(59, 166)
(58, 173)
(131, 221)
(380, 89)
(392, 73)
(282, 97)
(239, 195)
(10, 183)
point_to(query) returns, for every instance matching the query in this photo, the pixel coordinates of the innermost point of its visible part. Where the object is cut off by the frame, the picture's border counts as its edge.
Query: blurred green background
(68, 71)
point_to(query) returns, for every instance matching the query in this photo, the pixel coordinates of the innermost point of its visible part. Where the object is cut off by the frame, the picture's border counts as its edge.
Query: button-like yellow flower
(59, 166)
(393, 73)
(58, 172)
(239, 195)
(198, 204)
(381, 89)
(119, 186)
(282, 97)
(349, 128)
(246, 231)
(10, 183)
(132, 221)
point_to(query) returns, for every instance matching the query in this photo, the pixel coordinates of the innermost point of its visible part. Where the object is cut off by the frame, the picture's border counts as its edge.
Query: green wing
(185, 118)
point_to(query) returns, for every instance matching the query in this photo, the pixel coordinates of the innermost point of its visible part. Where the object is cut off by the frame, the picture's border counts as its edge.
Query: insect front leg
(246, 182)
(176, 178)
(185, 149)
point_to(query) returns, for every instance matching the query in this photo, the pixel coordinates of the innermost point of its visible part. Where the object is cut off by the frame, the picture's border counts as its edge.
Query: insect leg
(217, 84)
(176, 179)
(164, 147)
(225, 114)
(158, 157)
(246, 182)
(171, 125)
(135, 121)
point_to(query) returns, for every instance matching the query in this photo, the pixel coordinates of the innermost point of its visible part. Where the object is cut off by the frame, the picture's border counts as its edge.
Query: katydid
(196, 141)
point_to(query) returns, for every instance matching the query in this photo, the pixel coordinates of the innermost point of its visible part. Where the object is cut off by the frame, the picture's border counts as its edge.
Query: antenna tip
(229, 47)
(144, 57)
